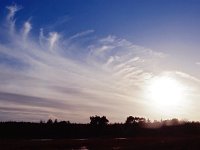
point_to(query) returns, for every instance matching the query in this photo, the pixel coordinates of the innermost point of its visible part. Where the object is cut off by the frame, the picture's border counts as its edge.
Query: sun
(165, 92)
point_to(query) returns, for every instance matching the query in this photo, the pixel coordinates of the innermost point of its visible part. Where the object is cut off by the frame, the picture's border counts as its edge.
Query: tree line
(98, 126)
(130, 120)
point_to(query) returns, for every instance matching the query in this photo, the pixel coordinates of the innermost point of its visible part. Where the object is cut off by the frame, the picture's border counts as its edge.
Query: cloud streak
(80, 34)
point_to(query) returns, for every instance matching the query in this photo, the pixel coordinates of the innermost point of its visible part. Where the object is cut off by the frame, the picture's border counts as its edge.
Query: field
(139, 143)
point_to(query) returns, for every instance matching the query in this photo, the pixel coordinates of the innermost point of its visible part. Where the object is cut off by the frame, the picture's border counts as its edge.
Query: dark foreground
(138, 143)
(138, 134)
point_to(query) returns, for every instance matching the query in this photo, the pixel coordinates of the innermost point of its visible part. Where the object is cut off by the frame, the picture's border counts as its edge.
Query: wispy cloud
(53, 38)
(187, 76)
(80, 34)
(26, 29)
(12, 10)
(102, 79)
(11, 14)
(59, 22)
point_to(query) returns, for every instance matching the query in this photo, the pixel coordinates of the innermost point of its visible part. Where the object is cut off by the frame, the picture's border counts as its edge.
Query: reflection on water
(80, 139)
(120, 138)
(115, 148)
(41, 139)
(86, 148)
(82, 148)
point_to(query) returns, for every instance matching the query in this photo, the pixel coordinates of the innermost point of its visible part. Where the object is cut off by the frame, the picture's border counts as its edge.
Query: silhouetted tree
(41, 121)
(98, 121)
(64, 122)
(129, 120)
(49, 121)
(55, 121)
(135, 120)
(175, 121)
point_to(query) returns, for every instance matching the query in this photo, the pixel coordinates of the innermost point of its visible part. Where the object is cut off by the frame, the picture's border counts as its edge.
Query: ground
(139, 143)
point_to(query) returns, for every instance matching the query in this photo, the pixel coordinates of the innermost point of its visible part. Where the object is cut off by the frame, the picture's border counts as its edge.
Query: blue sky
(70, 59)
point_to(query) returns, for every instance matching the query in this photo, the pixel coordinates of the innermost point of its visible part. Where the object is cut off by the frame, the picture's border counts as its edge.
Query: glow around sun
(165, 92)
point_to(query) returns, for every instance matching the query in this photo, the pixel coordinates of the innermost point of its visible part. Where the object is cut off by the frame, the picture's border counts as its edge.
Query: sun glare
(165, 92)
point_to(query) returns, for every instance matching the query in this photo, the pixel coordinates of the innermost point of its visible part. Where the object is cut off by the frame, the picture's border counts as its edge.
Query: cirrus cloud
(40, 75)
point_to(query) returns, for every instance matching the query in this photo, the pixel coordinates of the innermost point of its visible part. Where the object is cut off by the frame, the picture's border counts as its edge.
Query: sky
(71, 59)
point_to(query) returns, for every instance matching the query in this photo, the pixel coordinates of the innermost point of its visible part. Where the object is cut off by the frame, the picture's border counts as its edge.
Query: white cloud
(187, 76)
(53, 38)
(26, 29)
(108, 39)
(80, 34)
(11, 14)
(12, 10)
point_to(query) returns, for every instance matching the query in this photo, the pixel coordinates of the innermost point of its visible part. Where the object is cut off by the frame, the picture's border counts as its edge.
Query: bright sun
(165, 92)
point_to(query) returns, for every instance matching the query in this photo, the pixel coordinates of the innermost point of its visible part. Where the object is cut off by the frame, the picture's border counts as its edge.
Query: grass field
(138, 143)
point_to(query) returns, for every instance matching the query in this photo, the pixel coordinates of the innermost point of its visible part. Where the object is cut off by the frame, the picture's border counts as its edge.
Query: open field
(139, 143)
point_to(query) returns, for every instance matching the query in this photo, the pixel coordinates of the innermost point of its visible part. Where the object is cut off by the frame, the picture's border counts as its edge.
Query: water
(120, 138)
(82, 148)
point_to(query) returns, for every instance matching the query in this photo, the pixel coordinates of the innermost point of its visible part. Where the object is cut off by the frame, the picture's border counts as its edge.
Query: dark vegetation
(98, 127)
(135, 133)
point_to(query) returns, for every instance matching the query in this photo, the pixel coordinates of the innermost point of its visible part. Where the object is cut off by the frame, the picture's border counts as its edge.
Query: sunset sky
(70, 59)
